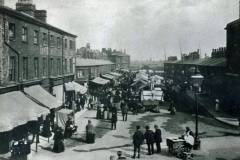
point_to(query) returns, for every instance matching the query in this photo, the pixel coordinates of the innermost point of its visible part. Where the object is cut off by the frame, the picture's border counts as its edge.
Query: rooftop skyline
(143, 27)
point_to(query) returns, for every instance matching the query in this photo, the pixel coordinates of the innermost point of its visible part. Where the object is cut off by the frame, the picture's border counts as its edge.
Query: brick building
(31, 50)
(121, 59)
(233, 46)
(87, 69)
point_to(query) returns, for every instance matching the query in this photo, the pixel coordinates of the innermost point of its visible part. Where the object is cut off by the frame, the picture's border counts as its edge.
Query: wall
(31, 50)
(4, 58)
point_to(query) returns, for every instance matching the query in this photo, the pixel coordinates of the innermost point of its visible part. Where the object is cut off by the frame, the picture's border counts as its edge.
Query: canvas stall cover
(62, 116)
(44, 97)
(17, 109)
(58, 92)
(74, 86)
(100, 81)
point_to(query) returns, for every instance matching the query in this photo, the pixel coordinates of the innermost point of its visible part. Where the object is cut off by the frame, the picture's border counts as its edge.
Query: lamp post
(197, 82)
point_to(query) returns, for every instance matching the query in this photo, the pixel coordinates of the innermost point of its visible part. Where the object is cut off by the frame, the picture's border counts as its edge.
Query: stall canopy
(100, 81)
(115, 74)
(41, 95)
(17, 109)
(108, 76)
(58, 91)
(62, 116)
(74, 86)
(152, 95)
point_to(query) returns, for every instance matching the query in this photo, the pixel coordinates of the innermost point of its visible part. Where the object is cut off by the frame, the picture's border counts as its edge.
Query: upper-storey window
(35, 37)
(65, 44)
(58, 42)
(12, 31)
(44, 66)
(52, 40)
(71, 44)
(45, 39)
(24, 34)
(71, 65)
(36, 67)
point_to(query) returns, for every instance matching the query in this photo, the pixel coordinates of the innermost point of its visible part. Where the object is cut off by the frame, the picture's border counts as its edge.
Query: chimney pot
(41, 15)
(1, 2)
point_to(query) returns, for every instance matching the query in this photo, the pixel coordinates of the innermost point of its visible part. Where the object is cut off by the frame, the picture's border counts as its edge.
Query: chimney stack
(1, 3)
(26, 6)
(41, 15)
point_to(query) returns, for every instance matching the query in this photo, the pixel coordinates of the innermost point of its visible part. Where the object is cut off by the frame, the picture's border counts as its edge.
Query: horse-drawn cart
(151, 99)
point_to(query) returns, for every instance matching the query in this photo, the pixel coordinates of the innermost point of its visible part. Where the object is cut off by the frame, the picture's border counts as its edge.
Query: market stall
(17, 113)
(62, 116)
(40, 95)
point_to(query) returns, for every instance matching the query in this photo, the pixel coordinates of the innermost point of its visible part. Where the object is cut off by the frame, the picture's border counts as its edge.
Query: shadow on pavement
(103, 148)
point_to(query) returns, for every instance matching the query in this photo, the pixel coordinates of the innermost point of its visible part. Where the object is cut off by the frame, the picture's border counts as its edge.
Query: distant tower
(88, 46)
(1, 3)
(26, 6)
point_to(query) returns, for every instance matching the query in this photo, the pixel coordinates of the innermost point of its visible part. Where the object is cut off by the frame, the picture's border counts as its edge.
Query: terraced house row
(31, 50)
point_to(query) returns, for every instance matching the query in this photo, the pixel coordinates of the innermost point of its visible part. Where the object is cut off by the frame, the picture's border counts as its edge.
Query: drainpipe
(63, 79)
(14, 50)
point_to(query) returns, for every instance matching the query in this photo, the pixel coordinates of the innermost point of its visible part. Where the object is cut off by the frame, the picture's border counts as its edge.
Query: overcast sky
(143, 27)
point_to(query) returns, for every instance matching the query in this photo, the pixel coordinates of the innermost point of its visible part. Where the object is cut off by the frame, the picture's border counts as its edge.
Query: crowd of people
(151, 139)
(109, 102)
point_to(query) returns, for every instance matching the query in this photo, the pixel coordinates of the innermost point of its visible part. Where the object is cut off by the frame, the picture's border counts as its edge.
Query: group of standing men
(150, 137)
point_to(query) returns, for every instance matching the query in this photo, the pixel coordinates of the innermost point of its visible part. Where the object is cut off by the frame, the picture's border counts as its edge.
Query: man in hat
(138, 139)
(158, 138)
(149, 136)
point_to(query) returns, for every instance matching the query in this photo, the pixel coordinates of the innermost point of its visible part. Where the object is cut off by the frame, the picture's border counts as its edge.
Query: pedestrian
(124, 108)
(117, 100)
(149, 136)
(68, 128)
(138, 139)
(114, 118)
(58, 138)
(172, 108)
(90, 133)
(82, 101)
(78, 104)
(46, 131)
(90, 103)
(158, 138)
(52, 118)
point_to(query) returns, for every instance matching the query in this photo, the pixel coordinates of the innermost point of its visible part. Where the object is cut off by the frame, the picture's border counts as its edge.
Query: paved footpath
(214, 145)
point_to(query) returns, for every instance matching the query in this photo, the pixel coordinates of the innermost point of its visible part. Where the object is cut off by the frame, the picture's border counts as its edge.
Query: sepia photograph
(119, 79)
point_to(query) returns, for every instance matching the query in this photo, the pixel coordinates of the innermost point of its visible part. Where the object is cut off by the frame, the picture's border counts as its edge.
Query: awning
(62, 116)
(100, 81)
(42, 96)
(58, 91)
(115, 74)
(74, 86)
(108, 76)
(17, 109)
(79, 88)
